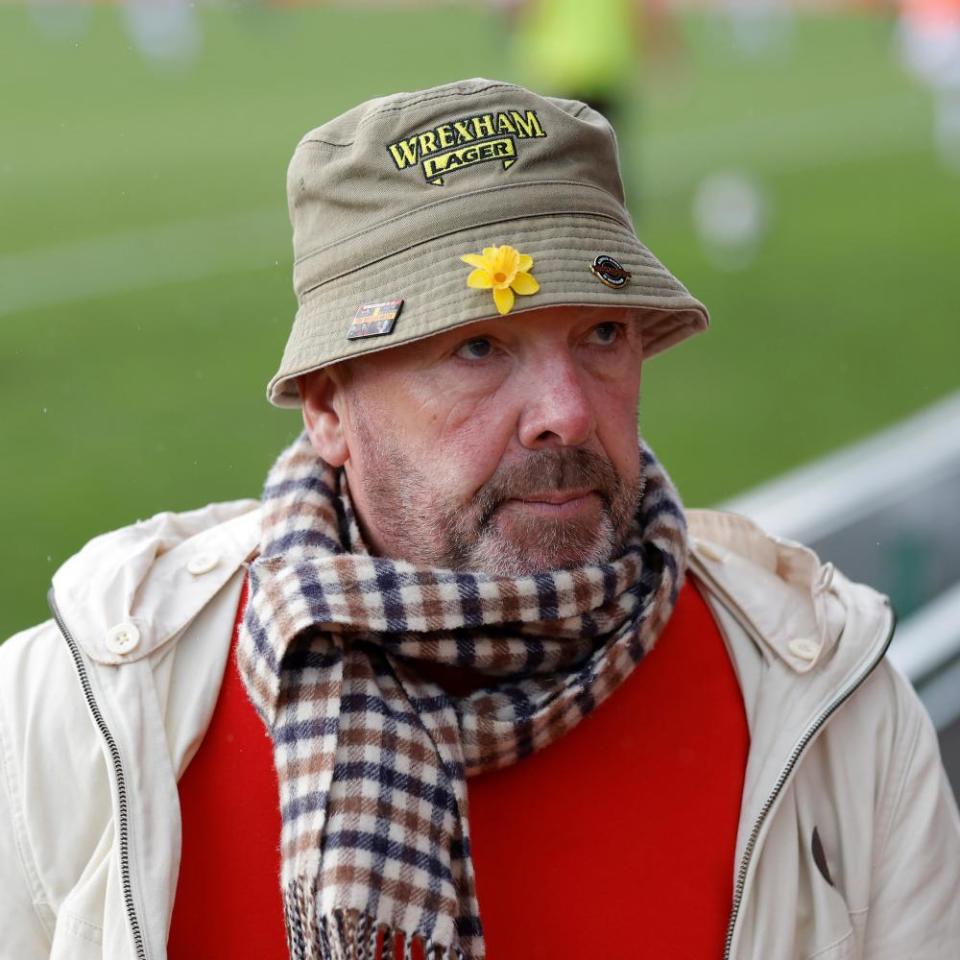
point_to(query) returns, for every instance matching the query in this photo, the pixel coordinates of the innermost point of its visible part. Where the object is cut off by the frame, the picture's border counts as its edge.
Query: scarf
(371, 757)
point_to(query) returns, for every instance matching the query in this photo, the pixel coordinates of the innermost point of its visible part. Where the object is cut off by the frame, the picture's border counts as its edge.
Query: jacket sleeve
(915, 903)
(22, 934)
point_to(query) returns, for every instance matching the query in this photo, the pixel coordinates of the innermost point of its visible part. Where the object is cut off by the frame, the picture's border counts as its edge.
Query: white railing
(869, 478)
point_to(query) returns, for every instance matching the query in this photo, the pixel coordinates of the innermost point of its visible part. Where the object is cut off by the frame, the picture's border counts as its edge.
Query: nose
(557, 410)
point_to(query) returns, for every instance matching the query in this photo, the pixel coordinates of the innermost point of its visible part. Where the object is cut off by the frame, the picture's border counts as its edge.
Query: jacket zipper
(802, 743)
(123, 816)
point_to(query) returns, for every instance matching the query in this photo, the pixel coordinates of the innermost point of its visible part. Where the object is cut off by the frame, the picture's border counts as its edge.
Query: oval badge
(609, 271)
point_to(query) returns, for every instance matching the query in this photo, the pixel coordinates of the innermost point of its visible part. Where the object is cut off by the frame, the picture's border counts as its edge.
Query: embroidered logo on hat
(610, 271)
(465, 142)
(374, 319)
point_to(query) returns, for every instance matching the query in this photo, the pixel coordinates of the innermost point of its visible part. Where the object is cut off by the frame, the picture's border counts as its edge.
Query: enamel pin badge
(374, 319)
(609, 271)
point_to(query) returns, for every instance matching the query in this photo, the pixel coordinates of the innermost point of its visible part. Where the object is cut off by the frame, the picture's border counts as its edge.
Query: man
(518, 702)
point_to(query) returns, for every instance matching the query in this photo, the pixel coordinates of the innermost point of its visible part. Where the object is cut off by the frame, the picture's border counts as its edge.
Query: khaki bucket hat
(387, 198)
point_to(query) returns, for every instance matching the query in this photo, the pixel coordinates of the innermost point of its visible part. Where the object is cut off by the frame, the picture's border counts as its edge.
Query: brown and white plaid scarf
(372, 758)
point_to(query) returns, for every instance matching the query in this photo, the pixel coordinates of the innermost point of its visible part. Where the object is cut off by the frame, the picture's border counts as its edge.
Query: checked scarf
(371, 757)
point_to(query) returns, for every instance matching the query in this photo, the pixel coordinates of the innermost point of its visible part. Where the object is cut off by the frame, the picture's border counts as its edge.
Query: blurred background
(796, 164)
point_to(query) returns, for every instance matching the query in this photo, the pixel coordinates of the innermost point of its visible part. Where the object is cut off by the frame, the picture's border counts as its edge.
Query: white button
(805, 648)
(825, 580)
(202, 563)
(711, 552)
(123, 638)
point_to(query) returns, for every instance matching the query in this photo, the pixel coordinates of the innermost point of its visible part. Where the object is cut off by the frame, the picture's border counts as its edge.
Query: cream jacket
(848, 843)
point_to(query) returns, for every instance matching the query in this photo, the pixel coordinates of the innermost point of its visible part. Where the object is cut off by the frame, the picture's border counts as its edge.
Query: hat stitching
(644, 271)
(456, 295)
(597, 233)
(596, 221)
(562, 260)
(459, 198)
(649, 283)
(572, 227)
(390, 255)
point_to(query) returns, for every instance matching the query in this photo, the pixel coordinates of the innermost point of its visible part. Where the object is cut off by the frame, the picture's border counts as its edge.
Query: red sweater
(615, 841)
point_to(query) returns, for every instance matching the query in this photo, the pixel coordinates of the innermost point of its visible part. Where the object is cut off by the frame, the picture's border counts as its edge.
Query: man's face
(508, 446)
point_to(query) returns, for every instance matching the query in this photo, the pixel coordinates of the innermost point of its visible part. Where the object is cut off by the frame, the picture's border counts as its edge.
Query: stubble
(417, 520)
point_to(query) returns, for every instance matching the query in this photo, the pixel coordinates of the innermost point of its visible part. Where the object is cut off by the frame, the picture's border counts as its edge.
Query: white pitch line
(789, 141)
(141, 259)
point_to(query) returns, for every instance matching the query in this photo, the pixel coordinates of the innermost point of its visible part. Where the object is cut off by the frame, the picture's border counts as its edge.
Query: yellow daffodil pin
(505, 271)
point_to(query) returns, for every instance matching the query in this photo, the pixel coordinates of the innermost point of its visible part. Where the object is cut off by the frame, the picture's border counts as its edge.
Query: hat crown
(411, 166)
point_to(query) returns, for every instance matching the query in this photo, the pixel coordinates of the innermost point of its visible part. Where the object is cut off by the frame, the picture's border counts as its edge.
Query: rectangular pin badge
(374, 319)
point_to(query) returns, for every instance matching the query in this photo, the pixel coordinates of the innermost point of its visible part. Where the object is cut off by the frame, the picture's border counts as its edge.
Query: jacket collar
(130, 591)
(781, 592)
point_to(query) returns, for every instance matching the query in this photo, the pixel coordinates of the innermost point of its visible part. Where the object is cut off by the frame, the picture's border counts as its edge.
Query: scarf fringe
(350, 934)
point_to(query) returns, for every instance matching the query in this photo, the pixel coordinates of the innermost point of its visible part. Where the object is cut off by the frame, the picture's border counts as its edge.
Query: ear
(321, 399)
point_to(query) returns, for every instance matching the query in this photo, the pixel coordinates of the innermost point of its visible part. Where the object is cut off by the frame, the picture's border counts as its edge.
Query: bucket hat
(399, 202)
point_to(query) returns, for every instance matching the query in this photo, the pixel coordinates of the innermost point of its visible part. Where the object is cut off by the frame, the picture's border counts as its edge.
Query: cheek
(616, 407)
(471, 440)
(457, 437)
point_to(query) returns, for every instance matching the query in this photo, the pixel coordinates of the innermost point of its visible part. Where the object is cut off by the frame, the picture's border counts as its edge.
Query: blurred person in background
(929, 38)
(594, 53)
(588, 52)
(166, 32)
(518, 701)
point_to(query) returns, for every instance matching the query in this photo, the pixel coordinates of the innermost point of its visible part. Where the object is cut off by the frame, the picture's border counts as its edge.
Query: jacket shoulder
(149, 580)
(158, 574)
(49, 750)
(36, 671)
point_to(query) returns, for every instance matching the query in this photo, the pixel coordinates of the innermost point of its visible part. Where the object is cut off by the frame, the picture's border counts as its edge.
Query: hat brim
(431, 280)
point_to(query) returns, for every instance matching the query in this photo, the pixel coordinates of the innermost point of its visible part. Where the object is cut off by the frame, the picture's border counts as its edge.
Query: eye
(606, 333)
(477, 349)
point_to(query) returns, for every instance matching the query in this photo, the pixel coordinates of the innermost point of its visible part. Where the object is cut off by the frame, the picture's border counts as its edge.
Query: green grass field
(145, 256)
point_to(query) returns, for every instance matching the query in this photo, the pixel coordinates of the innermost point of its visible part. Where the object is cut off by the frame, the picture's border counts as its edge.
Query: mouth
(556, 504)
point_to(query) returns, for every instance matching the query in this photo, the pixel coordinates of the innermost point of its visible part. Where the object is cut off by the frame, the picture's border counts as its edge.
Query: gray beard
(415, 524)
